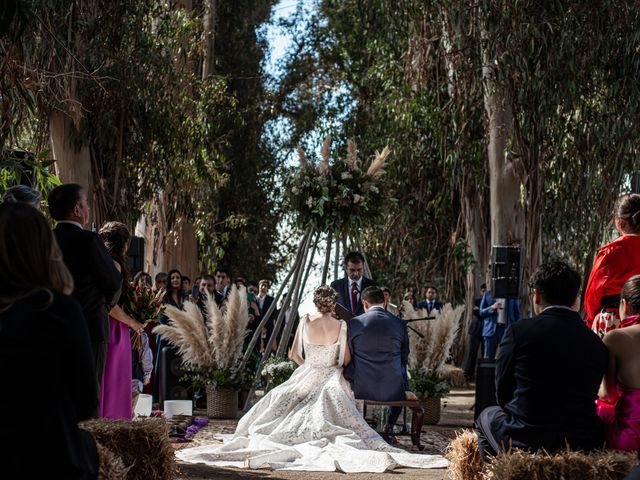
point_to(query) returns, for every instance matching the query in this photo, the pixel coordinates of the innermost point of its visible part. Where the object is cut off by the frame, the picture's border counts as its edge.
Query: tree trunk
(209, 38)
(73, 163)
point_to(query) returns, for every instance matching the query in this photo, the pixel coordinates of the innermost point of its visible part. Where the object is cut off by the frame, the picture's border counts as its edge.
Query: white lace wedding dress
(309, 423)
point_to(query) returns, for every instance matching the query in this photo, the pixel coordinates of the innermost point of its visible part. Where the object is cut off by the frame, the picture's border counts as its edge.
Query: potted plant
(278, 370)
(429, 349)
(211, 349)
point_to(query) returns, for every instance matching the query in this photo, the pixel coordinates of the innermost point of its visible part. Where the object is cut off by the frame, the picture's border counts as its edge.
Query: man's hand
(497, 305)
(410, 395)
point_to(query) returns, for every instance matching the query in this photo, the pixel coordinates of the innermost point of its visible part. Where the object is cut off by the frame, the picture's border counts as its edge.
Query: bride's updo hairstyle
(325, 299)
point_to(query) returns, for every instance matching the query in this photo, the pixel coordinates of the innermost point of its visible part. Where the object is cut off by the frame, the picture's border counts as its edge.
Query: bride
(311, 421)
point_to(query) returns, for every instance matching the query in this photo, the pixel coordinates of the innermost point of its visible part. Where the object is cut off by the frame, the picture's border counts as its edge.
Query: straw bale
(463, 456)
(143, 445)
(111, 465)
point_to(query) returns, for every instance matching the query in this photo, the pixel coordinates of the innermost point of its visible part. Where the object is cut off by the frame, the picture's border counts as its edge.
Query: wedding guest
(264, 301)
(389, 307)
(619, 403)
(431, 301)
(160, 282)
(614, 264)
(115, 391)
(22, 194)
(548, 373)
(141, 366)
(186, 287)
(475, 337)
(96, 278)
(173, 297)
(409, 298)
(43, 339)
(223, 280)
(354, 282)
(142, 278)
(497, 314)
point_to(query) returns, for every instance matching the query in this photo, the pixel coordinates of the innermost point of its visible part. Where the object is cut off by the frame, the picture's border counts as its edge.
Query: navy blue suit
(379, 344)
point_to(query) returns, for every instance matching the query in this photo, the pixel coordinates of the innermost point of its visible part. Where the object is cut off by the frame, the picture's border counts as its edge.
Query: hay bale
(568, 465)
(464, 457)
(454, 375)
(143, 446)
(111, 466)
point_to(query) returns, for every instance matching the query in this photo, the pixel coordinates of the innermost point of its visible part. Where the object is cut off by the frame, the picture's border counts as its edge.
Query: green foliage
(428, 385)
(343, 201)
(22, 167)
(278, 370)
(218, 378)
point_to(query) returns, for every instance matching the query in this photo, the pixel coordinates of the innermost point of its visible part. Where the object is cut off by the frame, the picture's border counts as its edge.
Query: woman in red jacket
(615, 263)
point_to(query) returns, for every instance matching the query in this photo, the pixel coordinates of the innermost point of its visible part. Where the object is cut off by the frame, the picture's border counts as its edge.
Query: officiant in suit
(97, 282)
(350, 287)
(379, 345)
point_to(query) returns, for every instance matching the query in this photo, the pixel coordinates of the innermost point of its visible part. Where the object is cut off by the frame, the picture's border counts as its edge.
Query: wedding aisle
(456, 414)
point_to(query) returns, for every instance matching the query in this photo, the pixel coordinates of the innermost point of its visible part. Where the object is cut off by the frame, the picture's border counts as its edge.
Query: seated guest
(619, 403)
(44, 343)
(389, 307)
(22, 194)
(161, 282)
(547, 376)
(497, 314)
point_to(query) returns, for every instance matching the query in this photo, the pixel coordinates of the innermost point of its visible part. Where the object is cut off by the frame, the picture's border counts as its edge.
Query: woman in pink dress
(619, 402)
(115, 391)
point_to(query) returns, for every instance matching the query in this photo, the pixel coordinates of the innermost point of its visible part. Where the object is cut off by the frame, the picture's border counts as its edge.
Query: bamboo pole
(327, 259)
(305, 244)
(272, 307)
(367, 269)
(288, 328)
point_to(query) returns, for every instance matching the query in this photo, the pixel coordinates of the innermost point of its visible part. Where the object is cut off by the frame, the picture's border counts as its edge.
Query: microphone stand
(418, 320)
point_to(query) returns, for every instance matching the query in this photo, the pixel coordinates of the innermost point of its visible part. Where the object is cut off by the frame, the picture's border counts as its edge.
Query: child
(142, 366)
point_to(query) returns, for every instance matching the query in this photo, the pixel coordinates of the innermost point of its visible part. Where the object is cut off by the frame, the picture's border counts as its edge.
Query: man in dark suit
(548, 373)
(96, 279)
(353, 284)
(379, 344)
(223, 280)
(431, 301)
(475, 337)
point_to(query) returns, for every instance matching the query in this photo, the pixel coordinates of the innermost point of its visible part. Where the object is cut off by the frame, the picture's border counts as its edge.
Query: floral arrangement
(210, 350)
(429, 353)
(143, 304)
(278, 370)
(339, 197)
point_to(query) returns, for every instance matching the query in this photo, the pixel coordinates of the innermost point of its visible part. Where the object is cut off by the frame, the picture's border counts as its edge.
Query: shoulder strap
(301, 330)
(342, 340)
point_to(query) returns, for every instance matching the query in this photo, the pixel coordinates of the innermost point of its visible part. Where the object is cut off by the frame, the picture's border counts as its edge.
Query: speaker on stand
(485, 386)
(170, 371)
(506, 271)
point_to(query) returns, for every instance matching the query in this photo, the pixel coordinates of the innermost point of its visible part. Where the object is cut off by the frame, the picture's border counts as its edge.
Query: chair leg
(417, 419)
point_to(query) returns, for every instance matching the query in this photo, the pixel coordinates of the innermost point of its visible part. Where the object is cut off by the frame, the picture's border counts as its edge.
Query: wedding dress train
(310, 423)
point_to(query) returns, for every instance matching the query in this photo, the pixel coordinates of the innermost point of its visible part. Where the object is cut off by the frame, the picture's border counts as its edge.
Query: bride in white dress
(311, 421)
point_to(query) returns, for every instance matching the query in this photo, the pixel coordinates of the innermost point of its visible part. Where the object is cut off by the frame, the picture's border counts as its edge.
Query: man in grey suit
(379, 344)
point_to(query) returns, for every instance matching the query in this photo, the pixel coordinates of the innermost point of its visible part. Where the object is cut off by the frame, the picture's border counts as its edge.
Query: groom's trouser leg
(392, 415)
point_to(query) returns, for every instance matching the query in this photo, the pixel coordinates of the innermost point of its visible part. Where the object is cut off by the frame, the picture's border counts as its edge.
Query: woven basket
(222, 403)
(431, 410)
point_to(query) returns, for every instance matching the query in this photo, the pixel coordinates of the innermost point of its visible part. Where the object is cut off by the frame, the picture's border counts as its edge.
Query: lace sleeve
(342, 339)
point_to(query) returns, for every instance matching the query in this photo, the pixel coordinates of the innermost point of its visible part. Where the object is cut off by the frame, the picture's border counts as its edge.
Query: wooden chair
(417, 417)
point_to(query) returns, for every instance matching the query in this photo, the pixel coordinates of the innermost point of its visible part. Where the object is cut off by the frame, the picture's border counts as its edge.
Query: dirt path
(456, 414)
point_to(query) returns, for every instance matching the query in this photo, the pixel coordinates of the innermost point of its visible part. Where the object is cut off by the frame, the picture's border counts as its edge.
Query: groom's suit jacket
(379, 344)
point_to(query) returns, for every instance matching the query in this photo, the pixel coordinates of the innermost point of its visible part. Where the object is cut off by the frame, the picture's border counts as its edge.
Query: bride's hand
(410, 395)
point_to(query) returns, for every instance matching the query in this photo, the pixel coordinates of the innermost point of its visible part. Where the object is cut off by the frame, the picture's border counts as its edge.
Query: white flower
(295, 190)
(356, 198)
(374, 189)
(346, 176)
(309, 202)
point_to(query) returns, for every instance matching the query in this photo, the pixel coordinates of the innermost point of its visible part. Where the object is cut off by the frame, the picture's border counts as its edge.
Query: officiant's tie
(354, 297)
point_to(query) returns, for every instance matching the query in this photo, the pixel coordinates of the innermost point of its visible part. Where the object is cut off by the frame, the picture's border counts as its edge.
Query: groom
(379, 344)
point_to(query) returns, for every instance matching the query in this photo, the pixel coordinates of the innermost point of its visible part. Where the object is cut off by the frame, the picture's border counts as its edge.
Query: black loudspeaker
(135, 260)
(169, 373)
(505, 271)
(485, 386)
(635, 182)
